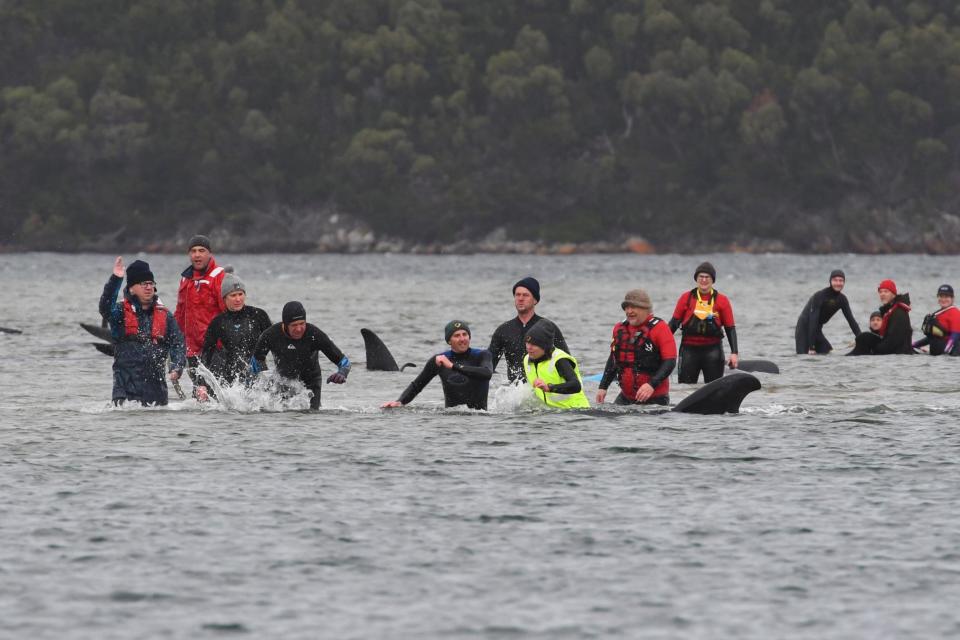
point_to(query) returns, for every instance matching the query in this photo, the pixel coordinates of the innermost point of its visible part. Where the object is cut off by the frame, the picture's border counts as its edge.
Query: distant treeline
(441, 119)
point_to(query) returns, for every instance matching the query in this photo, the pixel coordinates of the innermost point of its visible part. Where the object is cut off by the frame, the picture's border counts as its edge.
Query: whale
(8, 330)
(723, 395)
(760, 366)
(378, 356)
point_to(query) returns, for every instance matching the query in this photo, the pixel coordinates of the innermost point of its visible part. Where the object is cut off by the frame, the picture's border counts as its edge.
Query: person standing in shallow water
(508, 339)
(642, 355)
(817, 312)
(236, 331)
(295, 345)
(198, 299)
(703, 314)
(146, 335)
(551, 372)
(464, 372)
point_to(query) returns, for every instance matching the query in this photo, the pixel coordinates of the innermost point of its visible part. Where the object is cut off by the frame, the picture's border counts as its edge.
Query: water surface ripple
(827, 509)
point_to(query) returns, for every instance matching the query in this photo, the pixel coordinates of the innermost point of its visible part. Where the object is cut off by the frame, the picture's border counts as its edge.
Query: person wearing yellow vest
(704, 315)
(551, 372)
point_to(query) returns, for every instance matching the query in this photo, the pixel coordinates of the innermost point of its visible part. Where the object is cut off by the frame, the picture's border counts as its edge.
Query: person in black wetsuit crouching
(236, 330)
(295, 345)
(464, 372)
(817, 312)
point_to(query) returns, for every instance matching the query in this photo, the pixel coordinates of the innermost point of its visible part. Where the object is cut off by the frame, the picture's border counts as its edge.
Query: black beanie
(530, 284)
(541, 334)
(707, 268)
(838, 273)
(452, 327)
(199, 241)
(137, 272)
(945, 290)
(293, 311)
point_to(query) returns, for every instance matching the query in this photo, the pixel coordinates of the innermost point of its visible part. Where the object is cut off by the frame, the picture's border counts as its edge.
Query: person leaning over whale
(145, 333)
(551, 372)
(642, 355)
(817, 312)
(464, 372)
(941, 329)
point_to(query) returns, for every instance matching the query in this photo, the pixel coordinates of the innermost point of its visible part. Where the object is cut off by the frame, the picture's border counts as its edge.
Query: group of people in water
(889, 331)
(213, 325)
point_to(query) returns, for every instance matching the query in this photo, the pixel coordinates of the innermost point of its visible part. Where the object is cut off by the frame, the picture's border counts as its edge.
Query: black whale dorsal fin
(723, 395)
(101, 332)
(105, 349)
(763, 366)
(8, 330)
(379, 357)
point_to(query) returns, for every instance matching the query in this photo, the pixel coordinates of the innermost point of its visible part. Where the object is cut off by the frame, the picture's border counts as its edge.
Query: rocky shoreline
(285, 230)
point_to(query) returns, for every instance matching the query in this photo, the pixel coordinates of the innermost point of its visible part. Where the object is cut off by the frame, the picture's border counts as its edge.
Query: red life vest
(158, 328)
(707, 327)
(886, 316)
(637, 356)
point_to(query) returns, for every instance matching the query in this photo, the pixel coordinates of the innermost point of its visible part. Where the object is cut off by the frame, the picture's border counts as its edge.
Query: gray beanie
(637, 298)
(230, 284)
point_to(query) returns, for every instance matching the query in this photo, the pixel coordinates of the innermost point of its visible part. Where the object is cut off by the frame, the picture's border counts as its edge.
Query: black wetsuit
(817, 312)
(237, 332)
(507, 341)
(298, 359)
(468, 382)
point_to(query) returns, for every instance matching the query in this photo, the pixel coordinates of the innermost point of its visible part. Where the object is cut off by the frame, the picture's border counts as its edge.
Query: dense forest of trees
(559, 119)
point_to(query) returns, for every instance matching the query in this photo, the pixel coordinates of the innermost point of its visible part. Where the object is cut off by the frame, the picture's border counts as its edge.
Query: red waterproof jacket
(198, 303)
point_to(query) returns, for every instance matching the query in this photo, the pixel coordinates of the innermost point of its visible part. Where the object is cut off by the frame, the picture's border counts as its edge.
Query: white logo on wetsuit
(290, 346)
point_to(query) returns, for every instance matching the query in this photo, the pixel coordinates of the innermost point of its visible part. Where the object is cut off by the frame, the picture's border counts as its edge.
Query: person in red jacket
(941, 329)
(704, 315)
(642, 355)
(198, 299)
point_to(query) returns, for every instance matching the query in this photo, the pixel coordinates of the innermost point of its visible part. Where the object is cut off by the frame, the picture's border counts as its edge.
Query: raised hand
(118, 269)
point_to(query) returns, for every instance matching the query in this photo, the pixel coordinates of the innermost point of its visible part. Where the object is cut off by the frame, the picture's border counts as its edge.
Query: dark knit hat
(199, 241)
(637, 298)
(945, 290)
(838, 273)
(137, 272)
(707, 268)
(530, 284)
(541, 334)
(888, 284)
(876, 314)
(452, 327)
(230, 284)
(293, 311)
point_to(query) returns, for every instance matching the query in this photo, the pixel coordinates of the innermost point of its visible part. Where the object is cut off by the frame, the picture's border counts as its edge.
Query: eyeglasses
(148, 283)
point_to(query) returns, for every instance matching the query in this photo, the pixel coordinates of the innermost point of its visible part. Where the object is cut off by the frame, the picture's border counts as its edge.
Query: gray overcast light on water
(826, 509)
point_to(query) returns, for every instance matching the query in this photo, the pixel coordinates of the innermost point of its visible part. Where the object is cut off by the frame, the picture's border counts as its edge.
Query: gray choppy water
(827, 509)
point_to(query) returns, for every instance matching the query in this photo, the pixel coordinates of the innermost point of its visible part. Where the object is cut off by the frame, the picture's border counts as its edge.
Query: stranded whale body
(723, 395)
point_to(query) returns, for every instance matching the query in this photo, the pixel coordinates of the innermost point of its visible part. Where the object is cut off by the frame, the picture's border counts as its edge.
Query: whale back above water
(723, 395)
